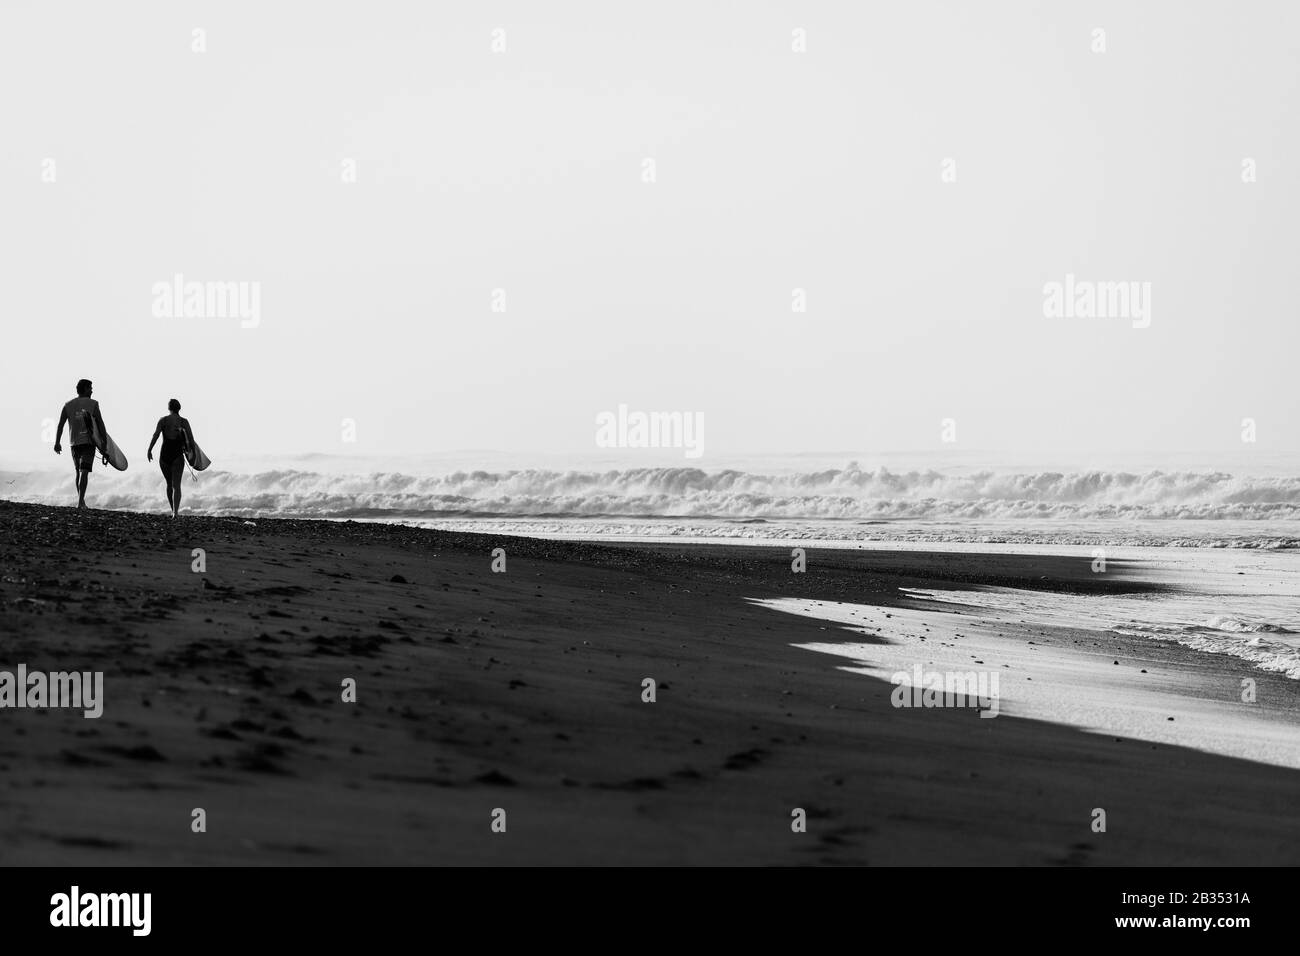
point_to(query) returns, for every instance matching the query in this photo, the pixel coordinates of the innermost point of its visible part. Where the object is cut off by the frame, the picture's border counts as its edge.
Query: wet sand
(521, 691)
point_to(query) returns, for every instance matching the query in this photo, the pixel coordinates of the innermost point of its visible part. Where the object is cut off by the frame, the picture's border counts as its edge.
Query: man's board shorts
(83, 457)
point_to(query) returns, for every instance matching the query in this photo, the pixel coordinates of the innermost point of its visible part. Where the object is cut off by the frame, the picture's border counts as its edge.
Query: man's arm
(99, 420)
(58, 435)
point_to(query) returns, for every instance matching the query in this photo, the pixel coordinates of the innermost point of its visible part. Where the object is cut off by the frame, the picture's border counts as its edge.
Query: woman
(177, 439)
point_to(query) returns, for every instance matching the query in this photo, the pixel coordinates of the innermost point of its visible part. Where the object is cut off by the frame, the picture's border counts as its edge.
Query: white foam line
(1076, 688)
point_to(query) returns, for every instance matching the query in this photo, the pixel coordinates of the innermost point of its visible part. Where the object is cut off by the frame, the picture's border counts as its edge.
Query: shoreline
(522, 691)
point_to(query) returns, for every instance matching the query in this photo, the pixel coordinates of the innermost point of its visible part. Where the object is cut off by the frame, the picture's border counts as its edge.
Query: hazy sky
(775, 170)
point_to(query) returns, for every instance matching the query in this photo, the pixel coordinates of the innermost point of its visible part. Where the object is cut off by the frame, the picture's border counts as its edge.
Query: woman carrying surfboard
(177, 441)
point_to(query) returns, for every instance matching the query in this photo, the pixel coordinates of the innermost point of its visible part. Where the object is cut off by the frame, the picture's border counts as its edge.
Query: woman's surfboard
(194, 455)
(107, 447)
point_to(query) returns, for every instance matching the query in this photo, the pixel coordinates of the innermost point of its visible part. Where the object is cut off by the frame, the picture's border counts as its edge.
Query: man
(78, 414)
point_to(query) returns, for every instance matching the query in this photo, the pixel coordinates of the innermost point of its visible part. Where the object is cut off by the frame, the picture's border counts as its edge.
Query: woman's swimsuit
(172, 449)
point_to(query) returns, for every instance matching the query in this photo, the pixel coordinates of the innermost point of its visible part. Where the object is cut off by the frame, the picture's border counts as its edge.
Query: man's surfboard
(107, 447)
(194, 455)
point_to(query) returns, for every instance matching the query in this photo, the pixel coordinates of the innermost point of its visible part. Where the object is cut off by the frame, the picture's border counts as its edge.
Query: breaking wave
(847, 493)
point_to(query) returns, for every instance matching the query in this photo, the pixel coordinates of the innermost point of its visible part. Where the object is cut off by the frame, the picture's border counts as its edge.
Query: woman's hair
(173, 406)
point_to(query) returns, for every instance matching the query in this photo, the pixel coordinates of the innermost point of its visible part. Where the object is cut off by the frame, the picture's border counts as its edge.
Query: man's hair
(83, 386)
(173, 406)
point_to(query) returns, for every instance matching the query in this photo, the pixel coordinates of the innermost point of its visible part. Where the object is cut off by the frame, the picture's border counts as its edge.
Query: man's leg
(83, 479)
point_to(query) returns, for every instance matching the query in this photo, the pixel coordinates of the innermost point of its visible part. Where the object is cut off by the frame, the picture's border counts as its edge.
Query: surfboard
(194, 455)
(107, 447)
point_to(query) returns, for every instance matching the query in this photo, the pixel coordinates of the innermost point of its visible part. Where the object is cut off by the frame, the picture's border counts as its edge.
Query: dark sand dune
(522, 691)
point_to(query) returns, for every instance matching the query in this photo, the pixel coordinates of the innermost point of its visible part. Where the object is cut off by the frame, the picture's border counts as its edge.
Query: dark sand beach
(522, 691)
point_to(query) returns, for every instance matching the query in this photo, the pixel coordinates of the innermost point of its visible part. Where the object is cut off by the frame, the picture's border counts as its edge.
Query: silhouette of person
(177, 440)
(81, 415)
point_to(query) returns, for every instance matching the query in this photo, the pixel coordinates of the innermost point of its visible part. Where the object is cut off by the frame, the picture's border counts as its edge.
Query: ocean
(1225, 542)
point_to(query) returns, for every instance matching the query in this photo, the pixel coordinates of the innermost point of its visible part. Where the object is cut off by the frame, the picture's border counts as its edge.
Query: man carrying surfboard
(178, 441)
(82, 417)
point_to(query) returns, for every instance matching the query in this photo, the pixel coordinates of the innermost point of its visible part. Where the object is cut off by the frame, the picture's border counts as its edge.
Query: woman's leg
(165, 467)
(178, 474)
